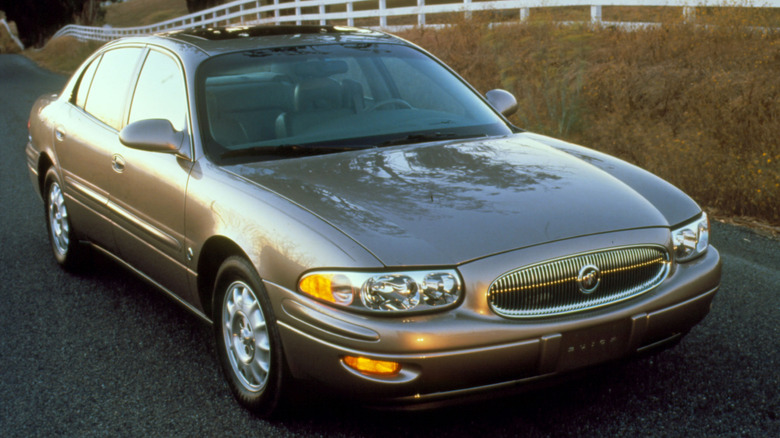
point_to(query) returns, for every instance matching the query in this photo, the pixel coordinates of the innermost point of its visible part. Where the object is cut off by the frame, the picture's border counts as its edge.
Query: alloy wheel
(246, 336)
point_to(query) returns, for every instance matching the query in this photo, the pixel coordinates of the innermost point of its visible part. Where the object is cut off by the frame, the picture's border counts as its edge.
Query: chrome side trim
(143, 276)
(86, 191)
(155, 232)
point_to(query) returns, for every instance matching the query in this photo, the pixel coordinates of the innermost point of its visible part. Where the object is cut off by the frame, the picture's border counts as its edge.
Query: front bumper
(469, 353)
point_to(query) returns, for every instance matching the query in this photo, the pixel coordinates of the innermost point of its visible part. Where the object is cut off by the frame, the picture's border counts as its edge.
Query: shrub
(698, 105)
(64, 54)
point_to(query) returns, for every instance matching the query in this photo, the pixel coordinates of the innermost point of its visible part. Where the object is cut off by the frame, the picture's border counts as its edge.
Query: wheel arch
(214, 252)
(44, 163)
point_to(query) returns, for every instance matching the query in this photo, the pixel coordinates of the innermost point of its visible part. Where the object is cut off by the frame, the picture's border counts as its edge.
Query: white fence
(13, 37)
(323, 12)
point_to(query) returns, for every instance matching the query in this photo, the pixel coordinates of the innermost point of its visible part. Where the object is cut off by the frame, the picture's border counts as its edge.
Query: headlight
(691, 240)
(405, 291)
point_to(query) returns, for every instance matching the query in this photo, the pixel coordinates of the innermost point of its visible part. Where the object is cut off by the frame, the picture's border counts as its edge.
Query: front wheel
(248, 342)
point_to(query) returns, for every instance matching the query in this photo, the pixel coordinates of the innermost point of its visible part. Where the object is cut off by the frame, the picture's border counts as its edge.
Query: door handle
(118, 163)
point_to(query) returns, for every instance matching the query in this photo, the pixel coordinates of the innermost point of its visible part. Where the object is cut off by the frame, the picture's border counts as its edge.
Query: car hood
(448, 203)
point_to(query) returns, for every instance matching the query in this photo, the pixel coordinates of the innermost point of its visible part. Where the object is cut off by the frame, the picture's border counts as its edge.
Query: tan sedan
(350, 214)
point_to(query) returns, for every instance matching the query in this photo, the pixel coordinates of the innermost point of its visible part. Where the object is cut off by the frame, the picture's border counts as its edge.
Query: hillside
(7, 44)
(144, 12)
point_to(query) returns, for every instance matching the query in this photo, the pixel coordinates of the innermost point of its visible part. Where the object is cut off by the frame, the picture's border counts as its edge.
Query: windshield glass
(278, 102)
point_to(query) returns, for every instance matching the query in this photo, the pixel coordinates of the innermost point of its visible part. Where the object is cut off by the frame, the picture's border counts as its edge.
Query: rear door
(85, 140)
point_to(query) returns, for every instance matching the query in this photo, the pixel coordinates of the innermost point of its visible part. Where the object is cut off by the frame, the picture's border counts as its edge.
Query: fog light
(372, 366)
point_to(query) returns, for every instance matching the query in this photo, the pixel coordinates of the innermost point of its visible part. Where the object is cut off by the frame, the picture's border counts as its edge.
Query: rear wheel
(64, 243)
(248, 342)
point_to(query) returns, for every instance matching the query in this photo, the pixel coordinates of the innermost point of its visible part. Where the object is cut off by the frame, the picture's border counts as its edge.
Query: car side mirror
(154, 135)
(503, 101)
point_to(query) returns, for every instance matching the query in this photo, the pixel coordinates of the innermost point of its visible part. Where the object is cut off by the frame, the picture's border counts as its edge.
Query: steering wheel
(387, 102)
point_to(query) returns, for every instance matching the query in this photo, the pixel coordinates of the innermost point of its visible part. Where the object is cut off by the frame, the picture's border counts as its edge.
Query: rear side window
(85, 82)
(108, 93)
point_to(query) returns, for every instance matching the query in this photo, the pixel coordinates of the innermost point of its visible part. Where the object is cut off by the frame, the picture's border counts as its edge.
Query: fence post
(258, 16)
(421, 14)
(322, 15)
(383, 14)
(467, 5)
(595, 14)
(350, 20)
(689, 14)
(524, 13)
(298, 12)
(276, 12)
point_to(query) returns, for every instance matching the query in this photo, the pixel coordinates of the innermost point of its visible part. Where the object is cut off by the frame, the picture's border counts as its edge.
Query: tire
(249, 347)
(65, 245)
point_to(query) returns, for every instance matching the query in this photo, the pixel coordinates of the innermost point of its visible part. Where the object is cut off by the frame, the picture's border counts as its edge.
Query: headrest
(318, 94)
(320, 69)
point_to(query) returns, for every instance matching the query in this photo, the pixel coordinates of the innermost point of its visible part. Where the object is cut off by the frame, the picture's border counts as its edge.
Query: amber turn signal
(372, 366)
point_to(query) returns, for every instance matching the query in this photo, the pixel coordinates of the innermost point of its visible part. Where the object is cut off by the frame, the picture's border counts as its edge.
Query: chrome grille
(561, 286)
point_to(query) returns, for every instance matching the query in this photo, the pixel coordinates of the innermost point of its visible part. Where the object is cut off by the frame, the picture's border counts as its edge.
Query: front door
(149, 189)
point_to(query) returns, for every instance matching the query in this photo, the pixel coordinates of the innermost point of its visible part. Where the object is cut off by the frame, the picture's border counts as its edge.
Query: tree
(37, 20)
(199, 5)
(90, 13)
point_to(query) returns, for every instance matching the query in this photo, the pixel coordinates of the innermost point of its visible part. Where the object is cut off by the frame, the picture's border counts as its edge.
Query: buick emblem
(588, 279)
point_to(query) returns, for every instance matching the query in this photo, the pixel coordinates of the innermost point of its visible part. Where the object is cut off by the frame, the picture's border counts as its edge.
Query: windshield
(281, 102)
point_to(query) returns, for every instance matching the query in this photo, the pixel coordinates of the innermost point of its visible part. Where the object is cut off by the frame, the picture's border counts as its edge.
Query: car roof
(216, 40)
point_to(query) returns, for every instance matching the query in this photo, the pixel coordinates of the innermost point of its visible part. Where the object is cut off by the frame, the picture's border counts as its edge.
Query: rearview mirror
(503, 101)
(154, 135)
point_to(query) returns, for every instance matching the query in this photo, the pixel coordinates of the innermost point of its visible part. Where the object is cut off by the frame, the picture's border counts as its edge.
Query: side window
(85, 82)
(160, 93)
(107, 94)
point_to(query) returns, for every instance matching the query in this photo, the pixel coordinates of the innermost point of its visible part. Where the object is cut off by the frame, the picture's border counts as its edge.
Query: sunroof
(228, 33)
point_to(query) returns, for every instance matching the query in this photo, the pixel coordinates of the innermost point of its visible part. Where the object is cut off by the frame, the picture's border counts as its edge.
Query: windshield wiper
(431, 136)
(286, 150)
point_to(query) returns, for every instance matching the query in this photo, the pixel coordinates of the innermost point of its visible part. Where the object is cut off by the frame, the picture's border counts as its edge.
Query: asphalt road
(102, 353)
